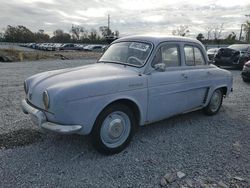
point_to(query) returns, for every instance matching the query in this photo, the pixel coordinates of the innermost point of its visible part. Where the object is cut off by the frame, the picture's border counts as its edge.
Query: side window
(193, 56)
(199, 60)
(167, 54)
(189, 55)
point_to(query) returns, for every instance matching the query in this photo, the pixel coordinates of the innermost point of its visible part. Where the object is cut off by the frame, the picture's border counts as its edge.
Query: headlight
(46, 100)
(25, 87)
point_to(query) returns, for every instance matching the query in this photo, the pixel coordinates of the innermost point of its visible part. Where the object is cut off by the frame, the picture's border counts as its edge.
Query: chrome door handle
(184, 76)
(209, 73)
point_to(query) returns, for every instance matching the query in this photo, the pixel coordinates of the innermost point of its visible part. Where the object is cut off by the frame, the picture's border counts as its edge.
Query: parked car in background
(93, 47)
(246, 72)
(137, 81)
(69, 47)
(235, 56)
(211, 52)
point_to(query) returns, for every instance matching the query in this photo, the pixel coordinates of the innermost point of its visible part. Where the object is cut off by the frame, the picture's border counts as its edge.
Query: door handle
(184, 76)
(209, 73)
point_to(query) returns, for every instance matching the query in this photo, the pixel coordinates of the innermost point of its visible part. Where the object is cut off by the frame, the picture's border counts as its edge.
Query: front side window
(167, 54)
(129, 53)
(193, 56)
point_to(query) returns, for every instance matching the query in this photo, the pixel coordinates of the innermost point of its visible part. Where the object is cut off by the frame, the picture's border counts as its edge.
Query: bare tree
(182, 30)
(217, 31)
(77, 31)
(209, 31)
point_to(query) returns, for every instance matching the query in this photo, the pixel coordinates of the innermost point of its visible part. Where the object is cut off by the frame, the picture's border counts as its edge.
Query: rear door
(198, 75)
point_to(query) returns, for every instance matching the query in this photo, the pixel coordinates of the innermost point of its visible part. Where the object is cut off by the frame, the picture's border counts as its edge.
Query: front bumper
(39, 118)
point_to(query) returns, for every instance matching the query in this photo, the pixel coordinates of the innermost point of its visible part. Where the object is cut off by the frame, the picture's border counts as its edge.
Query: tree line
(77, 34)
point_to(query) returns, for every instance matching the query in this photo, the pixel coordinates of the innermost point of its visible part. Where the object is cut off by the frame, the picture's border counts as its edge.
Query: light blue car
(137, 81)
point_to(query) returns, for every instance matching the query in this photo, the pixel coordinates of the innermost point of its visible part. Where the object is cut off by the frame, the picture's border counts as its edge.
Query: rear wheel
(113, 129)
(215, 103)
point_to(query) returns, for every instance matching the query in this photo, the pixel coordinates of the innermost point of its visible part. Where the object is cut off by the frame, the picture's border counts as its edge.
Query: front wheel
(113, 129)
(215, 103)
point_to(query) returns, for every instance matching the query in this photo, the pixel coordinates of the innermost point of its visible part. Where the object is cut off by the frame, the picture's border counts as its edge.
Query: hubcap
(215, 101)
(115, 129)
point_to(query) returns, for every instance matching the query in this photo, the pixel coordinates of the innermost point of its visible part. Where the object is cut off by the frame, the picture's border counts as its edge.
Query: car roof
(156, 39)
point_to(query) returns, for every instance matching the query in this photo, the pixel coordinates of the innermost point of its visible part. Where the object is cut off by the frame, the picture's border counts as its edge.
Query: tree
(247, 30)
(182, 30)
(105, 31)
(200, 37)
(18, 34)
(217, 31)
(41, 37)
(1, 36)
(60, 36)
(209, 31)
(77, 31)
(93, 37)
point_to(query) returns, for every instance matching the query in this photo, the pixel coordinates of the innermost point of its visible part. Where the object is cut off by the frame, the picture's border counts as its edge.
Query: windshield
(129, 53)
(240, 47)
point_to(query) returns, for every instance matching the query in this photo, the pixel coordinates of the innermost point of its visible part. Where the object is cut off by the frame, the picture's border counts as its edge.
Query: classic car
(234, 56)
(246, 72)
(137, 81)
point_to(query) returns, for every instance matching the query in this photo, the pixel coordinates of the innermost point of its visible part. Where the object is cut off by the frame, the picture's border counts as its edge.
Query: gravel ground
(203, 147)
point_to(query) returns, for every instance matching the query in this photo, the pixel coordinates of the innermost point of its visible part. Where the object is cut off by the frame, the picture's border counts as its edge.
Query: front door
(166, 89)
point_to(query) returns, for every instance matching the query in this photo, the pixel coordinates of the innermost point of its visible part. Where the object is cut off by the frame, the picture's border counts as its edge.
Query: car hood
(81, 82)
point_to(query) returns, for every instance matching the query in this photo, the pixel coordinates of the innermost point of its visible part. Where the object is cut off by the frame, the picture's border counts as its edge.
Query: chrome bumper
(39, 118)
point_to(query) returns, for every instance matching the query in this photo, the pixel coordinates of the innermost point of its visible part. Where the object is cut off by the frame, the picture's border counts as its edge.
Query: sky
(127, 16)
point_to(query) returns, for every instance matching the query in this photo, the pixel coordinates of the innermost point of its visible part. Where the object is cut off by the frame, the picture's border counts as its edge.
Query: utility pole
(108, 23)
(241, 31)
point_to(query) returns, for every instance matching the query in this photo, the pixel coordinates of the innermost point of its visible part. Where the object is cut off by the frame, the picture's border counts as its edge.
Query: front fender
(85, 111)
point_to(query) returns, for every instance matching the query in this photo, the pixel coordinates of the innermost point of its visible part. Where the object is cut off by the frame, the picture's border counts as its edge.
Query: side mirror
(160, 67)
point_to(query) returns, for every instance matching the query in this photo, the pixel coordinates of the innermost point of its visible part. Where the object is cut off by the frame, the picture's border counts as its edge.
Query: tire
(215, 103)
(245, 80)
(113, 129)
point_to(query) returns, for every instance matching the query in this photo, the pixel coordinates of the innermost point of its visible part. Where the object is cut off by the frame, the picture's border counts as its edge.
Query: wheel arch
(132, 104)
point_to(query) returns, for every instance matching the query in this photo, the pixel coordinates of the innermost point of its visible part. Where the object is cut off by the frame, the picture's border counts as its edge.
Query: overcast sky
(127, 16)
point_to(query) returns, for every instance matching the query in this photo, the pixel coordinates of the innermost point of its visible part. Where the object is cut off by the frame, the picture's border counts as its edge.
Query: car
(137, 81)
(69, 47)
(211, 52)
(96, 48)
(246, 72)
(235, 56)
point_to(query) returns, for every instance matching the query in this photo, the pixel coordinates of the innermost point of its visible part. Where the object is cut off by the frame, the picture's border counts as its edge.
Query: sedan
(137, 81)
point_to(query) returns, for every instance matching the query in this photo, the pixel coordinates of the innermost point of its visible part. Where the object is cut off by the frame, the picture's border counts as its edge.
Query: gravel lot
(215, 148)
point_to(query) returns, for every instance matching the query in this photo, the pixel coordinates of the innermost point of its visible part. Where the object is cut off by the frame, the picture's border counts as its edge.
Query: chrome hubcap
(115, 129)
(215, 101)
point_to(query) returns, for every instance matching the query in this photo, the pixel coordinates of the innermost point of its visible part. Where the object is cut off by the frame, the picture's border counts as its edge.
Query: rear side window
(193, 56)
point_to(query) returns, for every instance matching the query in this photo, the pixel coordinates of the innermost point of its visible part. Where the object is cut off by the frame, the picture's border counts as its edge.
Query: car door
(166, 89)
(198, 74)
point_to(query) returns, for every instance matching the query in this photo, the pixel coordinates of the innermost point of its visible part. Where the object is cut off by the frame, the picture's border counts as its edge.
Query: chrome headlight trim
(25, 87)
(46, 100)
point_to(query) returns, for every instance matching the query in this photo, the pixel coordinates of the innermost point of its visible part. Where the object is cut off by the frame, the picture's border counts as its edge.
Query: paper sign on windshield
(139, 46)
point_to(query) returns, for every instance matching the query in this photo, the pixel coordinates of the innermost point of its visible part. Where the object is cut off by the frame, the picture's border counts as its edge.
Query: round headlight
(46, 100)
(25, 87)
